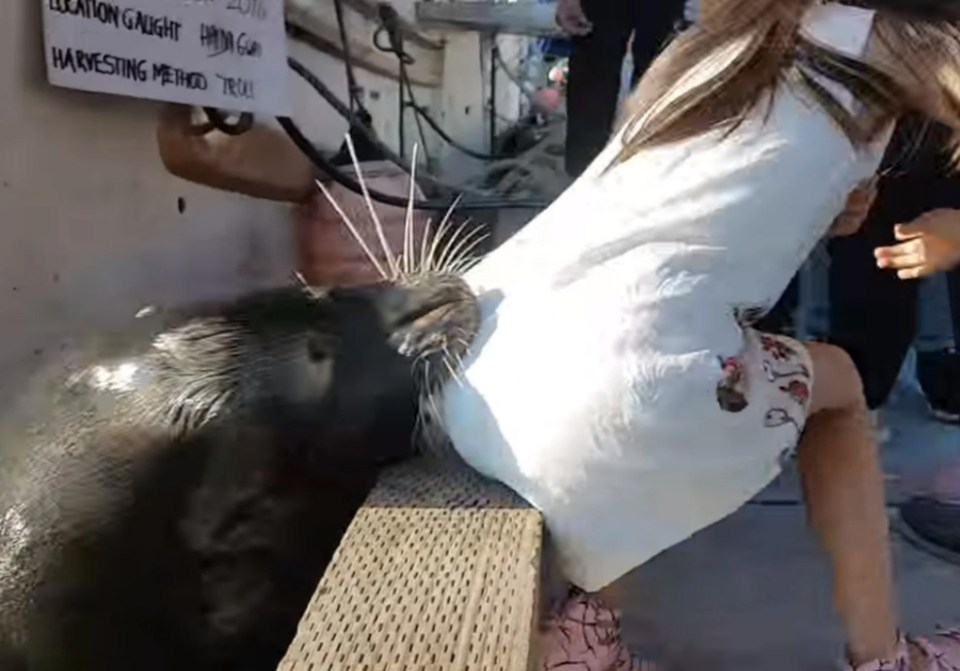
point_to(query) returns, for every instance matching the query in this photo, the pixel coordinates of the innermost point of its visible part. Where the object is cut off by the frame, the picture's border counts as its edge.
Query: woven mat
(439, 571)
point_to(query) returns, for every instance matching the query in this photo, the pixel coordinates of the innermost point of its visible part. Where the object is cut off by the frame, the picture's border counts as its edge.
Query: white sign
(230, 54)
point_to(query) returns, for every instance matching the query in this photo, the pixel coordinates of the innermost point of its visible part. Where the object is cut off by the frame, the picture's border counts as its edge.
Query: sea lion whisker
(459, 267)
(460, 229)
(428, 265)
(435, 410)
(426, 372)
(458, 374)
(438, 233)
(463, 257)
(348, 222)
(462, 266)
(377, 224)
(449, 360)
(428, 389)
(313, 292)
(453, 373)
(463, 343)
(453, 243)
(408, 220)
(424, 242)
(460, 256)
(465, 264)
(421, 365)
(458, 356)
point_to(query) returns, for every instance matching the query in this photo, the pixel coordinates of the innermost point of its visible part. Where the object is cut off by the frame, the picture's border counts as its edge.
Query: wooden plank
(515, 18)
(439, 571)
(316, 25)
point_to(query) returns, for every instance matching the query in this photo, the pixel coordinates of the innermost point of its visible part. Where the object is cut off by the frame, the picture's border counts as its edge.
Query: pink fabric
(584, 635)
(937, 653)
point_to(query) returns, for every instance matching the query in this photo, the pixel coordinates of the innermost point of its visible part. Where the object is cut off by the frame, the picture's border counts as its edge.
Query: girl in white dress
(617, 383)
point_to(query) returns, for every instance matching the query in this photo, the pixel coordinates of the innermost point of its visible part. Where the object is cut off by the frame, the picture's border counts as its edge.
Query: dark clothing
(873, 313)
(780, 319)
(596, 64)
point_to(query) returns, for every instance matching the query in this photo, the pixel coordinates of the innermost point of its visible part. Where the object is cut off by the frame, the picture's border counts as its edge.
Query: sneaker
(938, 373)
(937, 653)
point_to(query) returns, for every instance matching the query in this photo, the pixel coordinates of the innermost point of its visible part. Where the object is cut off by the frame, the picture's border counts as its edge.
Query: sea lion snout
(431, 320)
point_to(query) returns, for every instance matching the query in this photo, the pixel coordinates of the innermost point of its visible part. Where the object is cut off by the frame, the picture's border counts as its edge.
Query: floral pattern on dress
(731, 391)
(798, 390)
(784, 367)
(776, 347)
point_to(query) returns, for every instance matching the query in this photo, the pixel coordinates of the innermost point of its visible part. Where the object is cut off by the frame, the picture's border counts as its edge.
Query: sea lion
(171, 493)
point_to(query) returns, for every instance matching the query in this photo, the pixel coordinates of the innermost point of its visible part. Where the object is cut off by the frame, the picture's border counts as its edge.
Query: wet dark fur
(184, 522)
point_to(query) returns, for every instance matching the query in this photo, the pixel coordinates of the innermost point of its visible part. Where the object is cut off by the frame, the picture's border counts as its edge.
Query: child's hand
(855, 213)
(928, 244)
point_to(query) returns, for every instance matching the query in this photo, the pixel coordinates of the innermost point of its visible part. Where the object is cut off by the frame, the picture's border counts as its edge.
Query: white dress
(616, 383)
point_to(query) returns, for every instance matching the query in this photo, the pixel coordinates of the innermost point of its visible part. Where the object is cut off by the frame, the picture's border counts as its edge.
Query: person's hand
(928, 244)
(856, 210)
(571, 19)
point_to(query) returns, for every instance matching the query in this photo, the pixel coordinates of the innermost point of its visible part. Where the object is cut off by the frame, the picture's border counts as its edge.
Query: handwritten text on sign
(230, 54)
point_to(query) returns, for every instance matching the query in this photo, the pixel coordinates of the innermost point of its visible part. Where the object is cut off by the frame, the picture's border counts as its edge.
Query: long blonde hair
(714, 75)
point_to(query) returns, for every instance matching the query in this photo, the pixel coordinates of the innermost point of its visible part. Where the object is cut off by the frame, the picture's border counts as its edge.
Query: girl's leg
(843, 491)
(844, 494)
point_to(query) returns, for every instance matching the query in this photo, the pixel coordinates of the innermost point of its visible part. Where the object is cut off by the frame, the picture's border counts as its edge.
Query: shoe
(933, 522)
(584, 635)
(930, 518)
(938, 373)
(937, 653)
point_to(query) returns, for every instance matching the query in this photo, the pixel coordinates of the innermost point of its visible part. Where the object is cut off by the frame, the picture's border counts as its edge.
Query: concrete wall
(91, 226)
(463, 103)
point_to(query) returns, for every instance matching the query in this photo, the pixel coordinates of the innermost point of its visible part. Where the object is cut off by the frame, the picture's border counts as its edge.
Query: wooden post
(439, 571)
